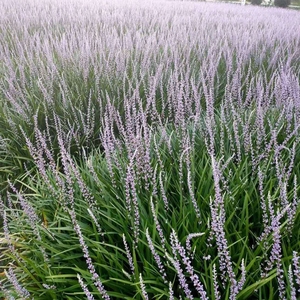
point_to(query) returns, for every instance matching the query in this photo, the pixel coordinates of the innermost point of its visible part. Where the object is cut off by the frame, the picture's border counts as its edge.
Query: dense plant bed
(149, 150)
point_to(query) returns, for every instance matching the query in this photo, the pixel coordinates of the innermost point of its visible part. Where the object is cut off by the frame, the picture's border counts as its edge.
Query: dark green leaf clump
(282, 3)
(256, 2)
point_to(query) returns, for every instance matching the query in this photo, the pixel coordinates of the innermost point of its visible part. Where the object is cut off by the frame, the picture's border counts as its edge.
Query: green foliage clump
(256, 2)
(282, 3)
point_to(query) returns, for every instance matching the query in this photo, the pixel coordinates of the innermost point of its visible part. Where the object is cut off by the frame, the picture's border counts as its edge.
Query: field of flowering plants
(149, 150)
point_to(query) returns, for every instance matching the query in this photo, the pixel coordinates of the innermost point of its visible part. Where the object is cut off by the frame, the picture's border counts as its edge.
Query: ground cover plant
(149, 150)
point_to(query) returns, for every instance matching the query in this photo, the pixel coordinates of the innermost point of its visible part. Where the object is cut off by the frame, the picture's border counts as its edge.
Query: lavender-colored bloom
(177, 248)
(216, 286)
(5, 292)
(32, 217)
(181, 165)
(28, 209)
(143, 288)
(37, 155)
(95, 277)
(84, 288)
(188, 240)
(291, 284)
(192, 194)
(217, 226)
(262, 197)
(132, 204)
(243, 276)
(95, 221)
(21, 291)
(296, 266)
(276, 237)
(156, 256)
(6, 229)
(128, 254)
(158, 227)
(163, 193)
(276, 253)
(293, 209)
(181, 277)
(70, 168)
(49, 287)
(171, 293)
